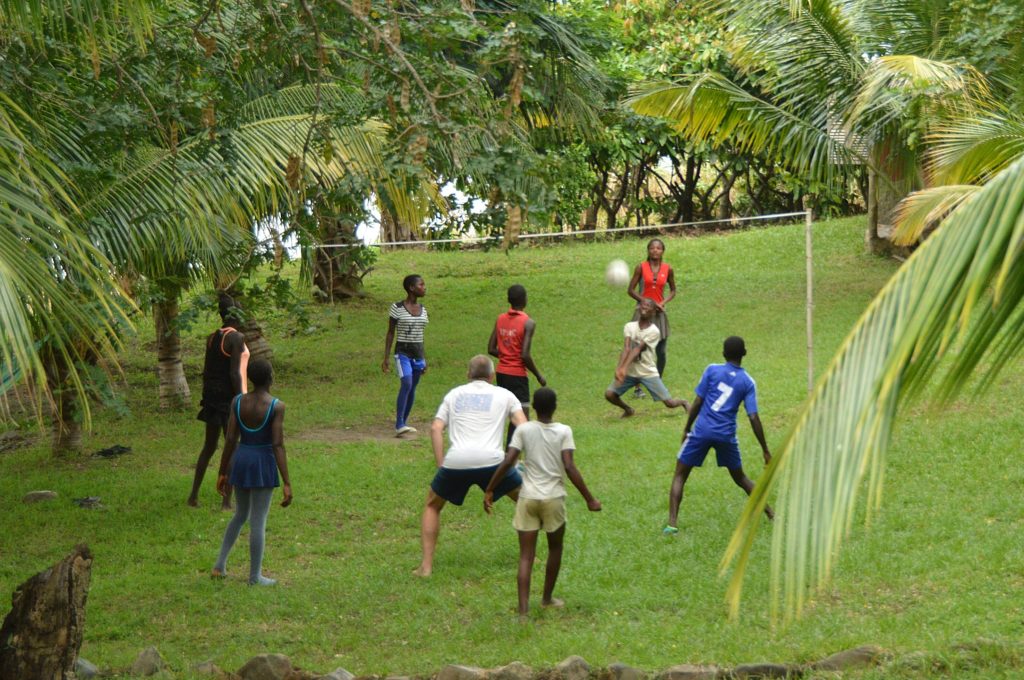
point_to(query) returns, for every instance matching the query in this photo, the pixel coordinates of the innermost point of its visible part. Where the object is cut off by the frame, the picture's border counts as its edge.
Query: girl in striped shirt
(406, 320)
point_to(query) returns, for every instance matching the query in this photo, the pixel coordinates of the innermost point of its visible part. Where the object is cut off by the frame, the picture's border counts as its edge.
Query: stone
(85, 670)
(37, 496)
(620, 671)
(266, 667)
(573, 668)
(338, 674)
(858, 657)
(208, 669)
(148, 662)
(513, 671)
(766, 670)
(689, 672)
(456, 672)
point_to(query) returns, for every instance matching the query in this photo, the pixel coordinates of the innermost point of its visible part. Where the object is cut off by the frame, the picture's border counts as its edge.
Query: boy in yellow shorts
(547, 449)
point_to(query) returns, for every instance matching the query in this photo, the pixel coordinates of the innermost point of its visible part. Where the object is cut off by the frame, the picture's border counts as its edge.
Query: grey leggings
(252, 505)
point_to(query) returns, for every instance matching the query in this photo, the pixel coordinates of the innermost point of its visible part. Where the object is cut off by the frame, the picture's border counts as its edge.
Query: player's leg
(260, 508)
(418, 366)
(213, 430)
(430, 528)
(661, 356)
(614, 395)
(675, 494)
(527, 553)
(242, 497)
(404, 372)
(554, 565)
(747, 485)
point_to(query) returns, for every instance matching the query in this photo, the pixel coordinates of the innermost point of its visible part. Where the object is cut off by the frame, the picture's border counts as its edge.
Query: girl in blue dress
(251, 467)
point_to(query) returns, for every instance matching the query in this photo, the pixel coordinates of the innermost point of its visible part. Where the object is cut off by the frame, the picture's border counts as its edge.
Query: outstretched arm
(573, 473)
(630, 351)
(277, 439)
(755, 423)
(525, 354)
(691, 417)
(510, 459)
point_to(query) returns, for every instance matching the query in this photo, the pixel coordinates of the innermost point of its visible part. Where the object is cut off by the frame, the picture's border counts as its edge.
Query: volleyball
(616, 274)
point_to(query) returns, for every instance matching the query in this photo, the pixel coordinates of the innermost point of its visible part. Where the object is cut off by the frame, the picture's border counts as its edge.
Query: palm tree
(961, 289)
(826, 84)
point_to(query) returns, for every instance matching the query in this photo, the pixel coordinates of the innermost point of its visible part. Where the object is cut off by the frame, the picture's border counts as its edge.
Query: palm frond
(970, 150)
(95, 22)
(962, 288)
(924, 209)
(710, 108)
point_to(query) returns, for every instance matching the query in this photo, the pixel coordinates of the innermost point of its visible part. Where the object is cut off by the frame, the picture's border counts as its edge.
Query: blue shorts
(694, 450)
(406, 366)
(653, 384)
(452, 485)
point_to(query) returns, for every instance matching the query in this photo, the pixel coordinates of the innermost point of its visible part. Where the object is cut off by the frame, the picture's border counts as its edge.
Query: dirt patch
(356, 433)
(12, 440)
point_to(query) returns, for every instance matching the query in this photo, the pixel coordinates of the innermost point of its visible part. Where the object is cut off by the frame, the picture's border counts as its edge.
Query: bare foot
(553, 602)
(217, 573)
(226, 506)
(628, 413)
(422, 572)
(192, 502)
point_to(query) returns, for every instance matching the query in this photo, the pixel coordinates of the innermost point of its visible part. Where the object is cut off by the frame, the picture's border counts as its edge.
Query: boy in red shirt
(510, 343)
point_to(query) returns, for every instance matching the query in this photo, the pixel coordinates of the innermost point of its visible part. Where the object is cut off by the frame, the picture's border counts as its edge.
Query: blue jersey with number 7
(723, 387)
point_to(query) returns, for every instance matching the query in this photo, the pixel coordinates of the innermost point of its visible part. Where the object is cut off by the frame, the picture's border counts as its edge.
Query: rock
(148, 662)
(513, 671)
(573, 668)
(85, 670)
(620, 671)
(266, 667)
(850, 658)
(766, 670)
(338, 674)
(208, 669)
(37, 496)
(689, 672)
(456, 672)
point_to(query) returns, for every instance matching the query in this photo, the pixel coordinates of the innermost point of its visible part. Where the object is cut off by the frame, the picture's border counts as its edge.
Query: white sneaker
(405, 429)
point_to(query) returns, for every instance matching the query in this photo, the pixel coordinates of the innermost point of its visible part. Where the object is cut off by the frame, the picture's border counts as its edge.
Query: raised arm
(525, 354)
(277, 439)
(755, 424)
(630, 351)
(573, 473)
(510, 459)
(385, 365)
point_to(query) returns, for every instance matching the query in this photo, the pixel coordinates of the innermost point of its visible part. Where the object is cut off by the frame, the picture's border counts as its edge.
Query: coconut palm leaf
(970, 150)
(924, 209)
(963, 289)
(94, 21)
(710, 108)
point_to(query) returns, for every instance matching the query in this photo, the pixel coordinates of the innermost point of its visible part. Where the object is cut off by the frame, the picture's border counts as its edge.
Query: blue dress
(253, 466)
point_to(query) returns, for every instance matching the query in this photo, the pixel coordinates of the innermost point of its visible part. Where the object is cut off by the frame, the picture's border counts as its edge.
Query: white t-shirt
(645, 365)
(542, 445)
(476, 415)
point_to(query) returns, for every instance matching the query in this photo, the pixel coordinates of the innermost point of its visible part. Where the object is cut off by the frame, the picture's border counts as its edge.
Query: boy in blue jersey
(721, 390)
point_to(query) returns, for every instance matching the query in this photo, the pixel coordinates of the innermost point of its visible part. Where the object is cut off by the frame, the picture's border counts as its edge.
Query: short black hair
(228, 308)
(409, 281)
(516, 295)
(734, 348)
(656, 240)
(260, 372)
(545, 401)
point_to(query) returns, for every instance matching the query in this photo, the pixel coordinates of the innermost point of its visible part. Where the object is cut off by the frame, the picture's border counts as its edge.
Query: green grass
(942, 564)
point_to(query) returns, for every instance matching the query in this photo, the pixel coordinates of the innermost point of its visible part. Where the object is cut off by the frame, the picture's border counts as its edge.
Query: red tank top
(510, 328)
(654, 288)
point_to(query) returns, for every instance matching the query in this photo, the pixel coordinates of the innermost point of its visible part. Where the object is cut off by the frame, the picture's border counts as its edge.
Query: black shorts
(215, 413)
(518, 385)
(452, 485)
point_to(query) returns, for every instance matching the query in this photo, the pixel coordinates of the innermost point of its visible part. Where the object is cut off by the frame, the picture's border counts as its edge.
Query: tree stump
(42, 634)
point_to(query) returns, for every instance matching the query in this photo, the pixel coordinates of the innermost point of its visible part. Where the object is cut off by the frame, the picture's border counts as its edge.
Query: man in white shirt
(637, 362)
(475, 415)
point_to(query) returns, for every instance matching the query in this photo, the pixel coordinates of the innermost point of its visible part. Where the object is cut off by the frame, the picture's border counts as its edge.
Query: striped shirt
(408, 330)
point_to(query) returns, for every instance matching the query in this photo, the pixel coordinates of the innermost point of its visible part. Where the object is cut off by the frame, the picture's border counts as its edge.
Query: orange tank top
(654, 288)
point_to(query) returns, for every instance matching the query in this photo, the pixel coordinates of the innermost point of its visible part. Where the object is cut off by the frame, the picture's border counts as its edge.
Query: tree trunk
(173, 390)
(337, 274)
(67, 421)
(259, 346)
(42, 634)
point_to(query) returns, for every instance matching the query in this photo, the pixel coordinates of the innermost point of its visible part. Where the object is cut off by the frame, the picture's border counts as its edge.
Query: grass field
(942, 564)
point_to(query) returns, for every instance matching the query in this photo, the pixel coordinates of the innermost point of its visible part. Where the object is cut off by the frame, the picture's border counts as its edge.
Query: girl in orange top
(649, 280)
